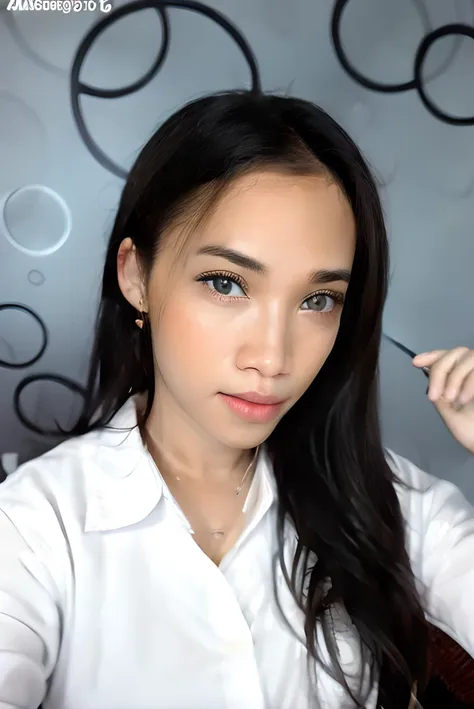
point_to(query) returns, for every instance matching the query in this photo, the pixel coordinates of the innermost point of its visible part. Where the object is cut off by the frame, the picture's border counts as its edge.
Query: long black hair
(333, 479)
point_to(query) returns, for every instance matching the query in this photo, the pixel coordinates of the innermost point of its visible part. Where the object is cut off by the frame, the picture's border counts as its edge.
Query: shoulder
(45, 506)
(408, 476)
(52, 488)
(44, 501)
(57, 490)
(433, 508)
(416, 486)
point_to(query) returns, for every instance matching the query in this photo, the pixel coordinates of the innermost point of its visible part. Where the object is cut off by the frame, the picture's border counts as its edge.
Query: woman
(225, 530)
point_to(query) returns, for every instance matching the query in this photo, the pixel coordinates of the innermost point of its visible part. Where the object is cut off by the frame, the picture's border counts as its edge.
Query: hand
(451, 389)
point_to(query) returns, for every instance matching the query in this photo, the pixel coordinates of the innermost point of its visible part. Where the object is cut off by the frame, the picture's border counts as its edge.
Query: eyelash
(212, 275)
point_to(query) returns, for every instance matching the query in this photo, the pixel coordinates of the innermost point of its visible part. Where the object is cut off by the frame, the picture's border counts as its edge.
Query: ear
(130, 275)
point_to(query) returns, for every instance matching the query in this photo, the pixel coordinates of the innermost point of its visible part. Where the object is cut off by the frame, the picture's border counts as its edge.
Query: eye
(324, 302)
(222, 284)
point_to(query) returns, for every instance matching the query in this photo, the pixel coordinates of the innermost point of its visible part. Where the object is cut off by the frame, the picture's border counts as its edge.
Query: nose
(266, 344)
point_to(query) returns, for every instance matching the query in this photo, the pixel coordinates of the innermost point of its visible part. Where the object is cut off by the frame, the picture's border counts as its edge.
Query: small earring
(139, 322)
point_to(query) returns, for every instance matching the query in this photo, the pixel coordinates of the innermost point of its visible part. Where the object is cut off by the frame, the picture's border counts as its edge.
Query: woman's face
(254, 306)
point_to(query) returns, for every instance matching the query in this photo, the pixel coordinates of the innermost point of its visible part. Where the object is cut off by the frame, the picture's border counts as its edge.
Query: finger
(467, 391)
(442, 368)
(457, 376)
(427, 359)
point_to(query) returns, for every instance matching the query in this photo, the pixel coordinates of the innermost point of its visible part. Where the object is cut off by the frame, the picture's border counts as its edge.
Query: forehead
(268, 213)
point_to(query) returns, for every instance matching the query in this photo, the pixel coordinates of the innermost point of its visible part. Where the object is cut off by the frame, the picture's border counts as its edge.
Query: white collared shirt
(106, 602)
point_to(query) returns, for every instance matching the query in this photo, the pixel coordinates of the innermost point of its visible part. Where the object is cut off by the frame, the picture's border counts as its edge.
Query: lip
(257, 398)
(253, 411)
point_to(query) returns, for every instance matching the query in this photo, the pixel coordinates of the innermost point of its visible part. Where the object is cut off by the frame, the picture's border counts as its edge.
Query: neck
(178, 447)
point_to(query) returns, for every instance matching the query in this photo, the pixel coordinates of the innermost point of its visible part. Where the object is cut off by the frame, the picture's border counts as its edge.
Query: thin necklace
(239, 487)
(221, 533)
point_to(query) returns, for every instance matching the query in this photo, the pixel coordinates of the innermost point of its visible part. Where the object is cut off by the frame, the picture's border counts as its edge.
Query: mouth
(252, 406)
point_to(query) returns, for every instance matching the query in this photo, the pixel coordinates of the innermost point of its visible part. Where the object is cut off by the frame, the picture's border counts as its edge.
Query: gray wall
(426, 170)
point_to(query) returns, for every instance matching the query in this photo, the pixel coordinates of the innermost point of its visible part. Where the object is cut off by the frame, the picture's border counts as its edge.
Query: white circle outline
(58, 199)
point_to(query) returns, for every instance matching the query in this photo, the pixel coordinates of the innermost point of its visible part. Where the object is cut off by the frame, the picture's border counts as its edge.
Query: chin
(251, 436)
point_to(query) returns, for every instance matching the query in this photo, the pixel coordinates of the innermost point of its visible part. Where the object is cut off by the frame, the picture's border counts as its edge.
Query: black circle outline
(423, 49)
(457, 29)
(97, 29)
(57, 379)
(77, 87)
(354, 73)
(44, 332)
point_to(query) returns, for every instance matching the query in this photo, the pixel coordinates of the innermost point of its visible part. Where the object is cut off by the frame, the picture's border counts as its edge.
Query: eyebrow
(251, 264)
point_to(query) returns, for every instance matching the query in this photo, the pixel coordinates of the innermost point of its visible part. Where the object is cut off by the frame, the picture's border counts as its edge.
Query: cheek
(189, 337)
(314, 347)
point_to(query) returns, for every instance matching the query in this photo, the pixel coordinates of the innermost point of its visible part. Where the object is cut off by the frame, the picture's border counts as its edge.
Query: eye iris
(318, 302)
(222, 285)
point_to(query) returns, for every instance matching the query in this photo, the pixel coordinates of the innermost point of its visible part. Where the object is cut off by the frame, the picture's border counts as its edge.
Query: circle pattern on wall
(417, 83)
(28, 161)
(78, 87)
(421, 55)
(11, 363)
(36, 278)
(69, 386)
(48, 39)
(35, 220)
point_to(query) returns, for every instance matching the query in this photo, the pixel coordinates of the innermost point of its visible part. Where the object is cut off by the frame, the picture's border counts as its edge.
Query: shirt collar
(123, 485)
